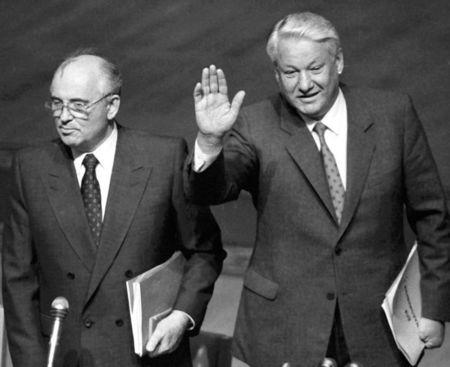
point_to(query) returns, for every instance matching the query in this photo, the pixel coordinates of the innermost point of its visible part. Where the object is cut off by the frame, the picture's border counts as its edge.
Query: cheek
(329, 81)
(321, 80)
(289, 85)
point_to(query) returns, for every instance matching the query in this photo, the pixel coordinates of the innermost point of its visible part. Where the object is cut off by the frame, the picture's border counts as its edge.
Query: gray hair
(109, 69)
(303, 25)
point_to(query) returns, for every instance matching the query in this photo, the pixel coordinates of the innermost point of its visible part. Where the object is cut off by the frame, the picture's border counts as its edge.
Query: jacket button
(338, 250)
(129, 274)
(119, 322)
(88, 323)
(70, 276)
(330, 296)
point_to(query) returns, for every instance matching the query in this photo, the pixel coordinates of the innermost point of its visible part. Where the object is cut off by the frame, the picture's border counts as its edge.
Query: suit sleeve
(200, 240)
(235, 169)
(20, 281)
(428, 216)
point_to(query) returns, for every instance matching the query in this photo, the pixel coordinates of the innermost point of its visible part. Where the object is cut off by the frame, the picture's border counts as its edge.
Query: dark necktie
(335, 185)
(90, 191)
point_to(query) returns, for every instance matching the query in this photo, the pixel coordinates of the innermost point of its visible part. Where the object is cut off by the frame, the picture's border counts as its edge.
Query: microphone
(60, 307)
(328, 362)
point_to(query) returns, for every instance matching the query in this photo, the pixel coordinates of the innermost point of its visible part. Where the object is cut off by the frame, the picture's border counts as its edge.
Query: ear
(339, 61)
(277, 76)
(113, 107)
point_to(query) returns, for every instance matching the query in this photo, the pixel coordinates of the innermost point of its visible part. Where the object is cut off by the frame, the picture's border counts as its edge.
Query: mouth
(66, 131)
(308, 96)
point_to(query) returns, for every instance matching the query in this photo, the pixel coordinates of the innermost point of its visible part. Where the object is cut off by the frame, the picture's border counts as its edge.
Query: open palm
(214, 113)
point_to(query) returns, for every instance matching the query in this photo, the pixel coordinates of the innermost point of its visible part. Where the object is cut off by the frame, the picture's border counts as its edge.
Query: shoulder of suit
(39, 150)
(262, 114)
(374, 96)
(146, 140)
(268, 104)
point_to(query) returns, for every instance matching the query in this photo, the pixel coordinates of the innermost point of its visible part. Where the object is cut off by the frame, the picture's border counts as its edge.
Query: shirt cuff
(202, 160)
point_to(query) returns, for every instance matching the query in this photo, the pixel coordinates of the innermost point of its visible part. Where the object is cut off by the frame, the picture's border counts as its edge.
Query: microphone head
(328, 362)
(60, 307)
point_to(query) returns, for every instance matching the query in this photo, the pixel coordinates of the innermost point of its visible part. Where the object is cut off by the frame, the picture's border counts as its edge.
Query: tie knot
(90, 162)
(320, 128)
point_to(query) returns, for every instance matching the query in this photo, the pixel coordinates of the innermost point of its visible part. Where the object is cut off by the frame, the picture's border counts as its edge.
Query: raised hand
(214, 113)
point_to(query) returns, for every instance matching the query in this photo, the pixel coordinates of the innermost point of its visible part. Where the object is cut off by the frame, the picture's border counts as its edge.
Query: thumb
(197, 93)
(237, 102)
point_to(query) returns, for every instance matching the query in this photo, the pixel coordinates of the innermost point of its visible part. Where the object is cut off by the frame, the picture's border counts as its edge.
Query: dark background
(161, 47)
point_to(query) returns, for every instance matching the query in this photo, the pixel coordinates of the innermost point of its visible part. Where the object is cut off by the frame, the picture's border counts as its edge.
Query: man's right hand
(213, 111)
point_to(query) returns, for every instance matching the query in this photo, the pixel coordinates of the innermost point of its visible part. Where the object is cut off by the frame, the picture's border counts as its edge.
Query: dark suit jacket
(48, 251)
(302, 259)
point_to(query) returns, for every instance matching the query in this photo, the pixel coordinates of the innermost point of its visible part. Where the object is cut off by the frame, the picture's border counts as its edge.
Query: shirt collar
(334, 117)
(104, 152)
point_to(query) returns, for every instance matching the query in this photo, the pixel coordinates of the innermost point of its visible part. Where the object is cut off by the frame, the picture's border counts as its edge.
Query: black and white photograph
(206, 183)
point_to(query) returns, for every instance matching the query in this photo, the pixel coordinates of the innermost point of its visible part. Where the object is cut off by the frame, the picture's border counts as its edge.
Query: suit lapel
(65, 198)
(360, 148)
(303, 150)
(128, 182)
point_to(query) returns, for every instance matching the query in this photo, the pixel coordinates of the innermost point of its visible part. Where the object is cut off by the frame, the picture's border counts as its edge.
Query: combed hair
(303, 25)
(110, 69)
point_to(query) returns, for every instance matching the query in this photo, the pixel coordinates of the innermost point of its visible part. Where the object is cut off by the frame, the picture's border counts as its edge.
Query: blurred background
(161, 47)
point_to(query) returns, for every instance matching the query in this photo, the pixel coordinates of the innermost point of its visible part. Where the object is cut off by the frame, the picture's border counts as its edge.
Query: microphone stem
(54, 341)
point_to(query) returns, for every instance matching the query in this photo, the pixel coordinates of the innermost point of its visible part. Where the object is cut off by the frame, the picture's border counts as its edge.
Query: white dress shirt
(104, 153)
(335, 136)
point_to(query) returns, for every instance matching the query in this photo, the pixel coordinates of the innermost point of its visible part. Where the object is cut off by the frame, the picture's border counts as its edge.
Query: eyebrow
(72, 99)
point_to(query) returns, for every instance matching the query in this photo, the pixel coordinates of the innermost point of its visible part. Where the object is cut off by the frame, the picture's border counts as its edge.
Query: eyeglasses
(77, 109)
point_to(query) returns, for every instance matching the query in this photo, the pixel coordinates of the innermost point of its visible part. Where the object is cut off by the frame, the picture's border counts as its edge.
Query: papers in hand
(151, 297)
(403, 308)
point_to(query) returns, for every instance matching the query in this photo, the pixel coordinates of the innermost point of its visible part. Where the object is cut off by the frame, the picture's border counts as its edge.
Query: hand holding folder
(151, 297)
(403, 309)
(403, 306)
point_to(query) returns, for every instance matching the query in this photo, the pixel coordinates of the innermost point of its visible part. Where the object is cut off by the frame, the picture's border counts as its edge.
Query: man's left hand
(168, 333)
(431, 332)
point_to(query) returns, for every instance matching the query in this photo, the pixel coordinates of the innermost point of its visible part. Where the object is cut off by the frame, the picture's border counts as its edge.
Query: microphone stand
(60, 307)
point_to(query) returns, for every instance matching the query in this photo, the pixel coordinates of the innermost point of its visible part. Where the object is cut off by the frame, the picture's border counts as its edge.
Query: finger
(153, 342)
(198, 93)
(237, 102)
(433, 343)
(156, 352)
(163, 347)
(205, 80)
(430, 345)
(223, 89)
(166, 346)
(213, 85)
(422, 336)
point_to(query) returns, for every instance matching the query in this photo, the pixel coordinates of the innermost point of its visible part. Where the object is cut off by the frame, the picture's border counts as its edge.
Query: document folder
(151, 297)
(402, 306)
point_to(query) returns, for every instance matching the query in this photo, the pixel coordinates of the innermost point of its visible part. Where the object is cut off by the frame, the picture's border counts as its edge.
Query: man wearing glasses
(91, 210)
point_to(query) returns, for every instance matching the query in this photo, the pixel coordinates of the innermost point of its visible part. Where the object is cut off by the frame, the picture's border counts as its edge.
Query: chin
(72, 143)
(310, 111)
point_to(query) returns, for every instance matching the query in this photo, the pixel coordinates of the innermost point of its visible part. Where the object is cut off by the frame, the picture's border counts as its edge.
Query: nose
(304, 83)
(65, 116)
